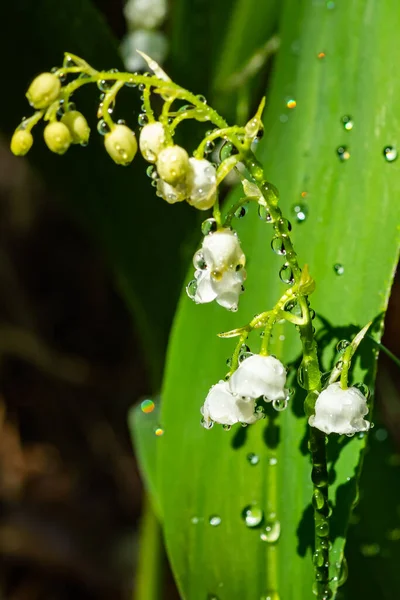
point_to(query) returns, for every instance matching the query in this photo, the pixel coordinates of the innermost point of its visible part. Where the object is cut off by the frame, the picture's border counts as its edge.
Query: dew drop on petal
(191, 289)
(215, 520)
(252, 515)
(338, 268)
(147, 406)
(390, 153)
(280, 405)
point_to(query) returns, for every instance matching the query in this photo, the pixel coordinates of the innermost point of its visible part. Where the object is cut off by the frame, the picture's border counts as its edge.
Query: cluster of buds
(179, 177)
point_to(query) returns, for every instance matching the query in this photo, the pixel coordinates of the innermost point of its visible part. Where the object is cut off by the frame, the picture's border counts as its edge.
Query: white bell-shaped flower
(219, 269)
(340, 411)
(260, 376)
(221, 406)
(202, 183)
(152, 140)
(148, 14)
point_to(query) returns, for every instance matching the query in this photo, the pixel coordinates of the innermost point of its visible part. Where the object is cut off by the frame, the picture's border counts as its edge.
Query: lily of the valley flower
(260, 376)
(220, 270)
(202, 183)
(340, 411)
(221, 406)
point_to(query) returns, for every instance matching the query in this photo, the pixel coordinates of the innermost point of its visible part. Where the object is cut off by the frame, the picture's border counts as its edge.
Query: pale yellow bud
(121, 144)
(152, 140)
(77, 125)
(173, 165)
(43, 90)
(57, 137)
(21, 142)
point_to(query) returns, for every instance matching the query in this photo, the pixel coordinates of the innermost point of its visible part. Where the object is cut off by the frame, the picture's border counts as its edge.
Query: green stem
(149, 571)
(312, 382)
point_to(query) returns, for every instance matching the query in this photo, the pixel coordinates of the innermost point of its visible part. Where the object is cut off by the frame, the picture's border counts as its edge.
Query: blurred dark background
(71, 363)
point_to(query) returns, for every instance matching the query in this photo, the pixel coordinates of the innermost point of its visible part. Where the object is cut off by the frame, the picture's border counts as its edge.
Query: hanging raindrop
(390, 153)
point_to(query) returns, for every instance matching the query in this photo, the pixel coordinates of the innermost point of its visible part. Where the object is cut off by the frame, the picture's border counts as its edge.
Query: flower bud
(121, 144)
(202, 183)
(173, 165)
(221, 406)
(43, 90)
(21, 142)
(57, 137)
(152, 141)
(77, 125)
(171, 194)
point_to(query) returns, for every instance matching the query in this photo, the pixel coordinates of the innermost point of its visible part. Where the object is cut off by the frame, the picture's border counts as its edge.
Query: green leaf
(352, 221)
(118, 205)
(143, 428)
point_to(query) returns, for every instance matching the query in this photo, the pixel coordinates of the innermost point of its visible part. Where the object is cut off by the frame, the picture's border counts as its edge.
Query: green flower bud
(121, 144)
(78, 126)
(173, 165)
(57, 137)
(21, 142)
(43, 90)
(152, 140)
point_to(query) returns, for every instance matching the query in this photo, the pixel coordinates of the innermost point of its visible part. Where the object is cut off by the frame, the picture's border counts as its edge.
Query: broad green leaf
(118, 205)
(352, 221)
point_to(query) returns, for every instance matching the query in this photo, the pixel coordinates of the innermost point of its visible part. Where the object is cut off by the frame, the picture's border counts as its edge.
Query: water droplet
(105, 85)
(272, 530)
(143, 119)
(272, 461)
(102, 127)
(278, 246)
(343, 153)
(300, 212)
(318, 558)
(321, 55)
(286, 274)
(207, 424)
(252, 515)
(159, 431)
(322, 590)
(370, 550)
(318, 500)
(363, 388)
(198, 261)
(151, 171)
(291, 103)
(208, 226)
(253, 459)
(390, 153)
(347, 122)
(319, 476)
(195, 520)
(227, 150)
(147, 406)
(191, 289)
(342, 345)
(280, 405)
(201, 98)
(322, 530)
(226, 427)
(338, 268)
(241, 212)
(215, 520)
